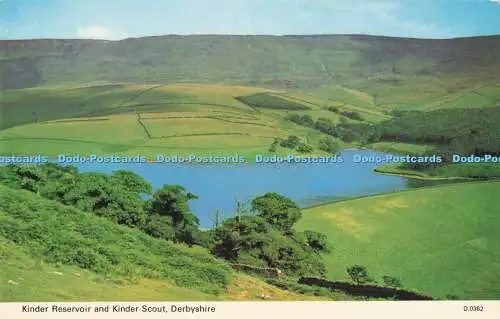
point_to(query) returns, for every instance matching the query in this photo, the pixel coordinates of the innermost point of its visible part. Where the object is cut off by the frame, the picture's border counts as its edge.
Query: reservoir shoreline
(219, 186)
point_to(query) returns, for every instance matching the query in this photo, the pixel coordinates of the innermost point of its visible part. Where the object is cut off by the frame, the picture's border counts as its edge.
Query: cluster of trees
(466, 131)
(329, 145)
(265, 100)
(470, 130)
(347, 132)
(451, 131)
(360, 275)
(259, 235)
(292, 142)
(352, 115)
(118, 197)
(262, 235)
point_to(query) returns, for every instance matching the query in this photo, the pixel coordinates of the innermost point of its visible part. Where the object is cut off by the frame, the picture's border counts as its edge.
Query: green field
(442, 240)
(178, 118)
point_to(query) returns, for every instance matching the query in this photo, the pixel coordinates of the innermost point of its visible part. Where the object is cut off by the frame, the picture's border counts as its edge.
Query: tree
(291, 142)
(353, 115)
(173, 201)
(307, 120)
(100, 194)
(304, 148)
(252, 240)
(348, 135)
(217, 218)
(329, 145)
(358, 274)
(326, 126)
(274, 146)
(132, 181)
(277, 210)
(294, 117)
(159, 226)
(228, 243)
(334, 109)
(188, 232)
(392, 281)
(317, 241)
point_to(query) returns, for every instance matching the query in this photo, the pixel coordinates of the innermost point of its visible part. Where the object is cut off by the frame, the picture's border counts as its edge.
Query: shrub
(359, 274)
(392, 281)
(291, 142)
(329, 145)
(304, 148)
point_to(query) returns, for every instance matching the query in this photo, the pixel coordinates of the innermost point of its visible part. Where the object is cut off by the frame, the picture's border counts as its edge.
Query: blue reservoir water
(219, 186)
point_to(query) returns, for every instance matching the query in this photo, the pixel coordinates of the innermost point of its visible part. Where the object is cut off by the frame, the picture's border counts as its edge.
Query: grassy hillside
(441, 240)
(301, 60)
(151, 119)
(144, 101)
(366, 71)
(27, 278)
(61, 234)
(216, 119)
(53, 252)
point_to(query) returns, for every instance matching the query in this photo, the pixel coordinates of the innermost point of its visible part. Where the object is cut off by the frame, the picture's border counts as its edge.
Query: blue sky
(117, 19)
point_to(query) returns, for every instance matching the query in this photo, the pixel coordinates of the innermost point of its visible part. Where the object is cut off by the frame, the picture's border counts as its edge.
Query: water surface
(220, 186)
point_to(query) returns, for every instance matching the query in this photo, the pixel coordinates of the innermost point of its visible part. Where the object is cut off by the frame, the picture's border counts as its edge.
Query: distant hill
(293, 61)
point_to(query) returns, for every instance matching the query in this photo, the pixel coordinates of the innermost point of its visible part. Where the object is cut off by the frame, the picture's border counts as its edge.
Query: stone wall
(262, 271)
(372, 291)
